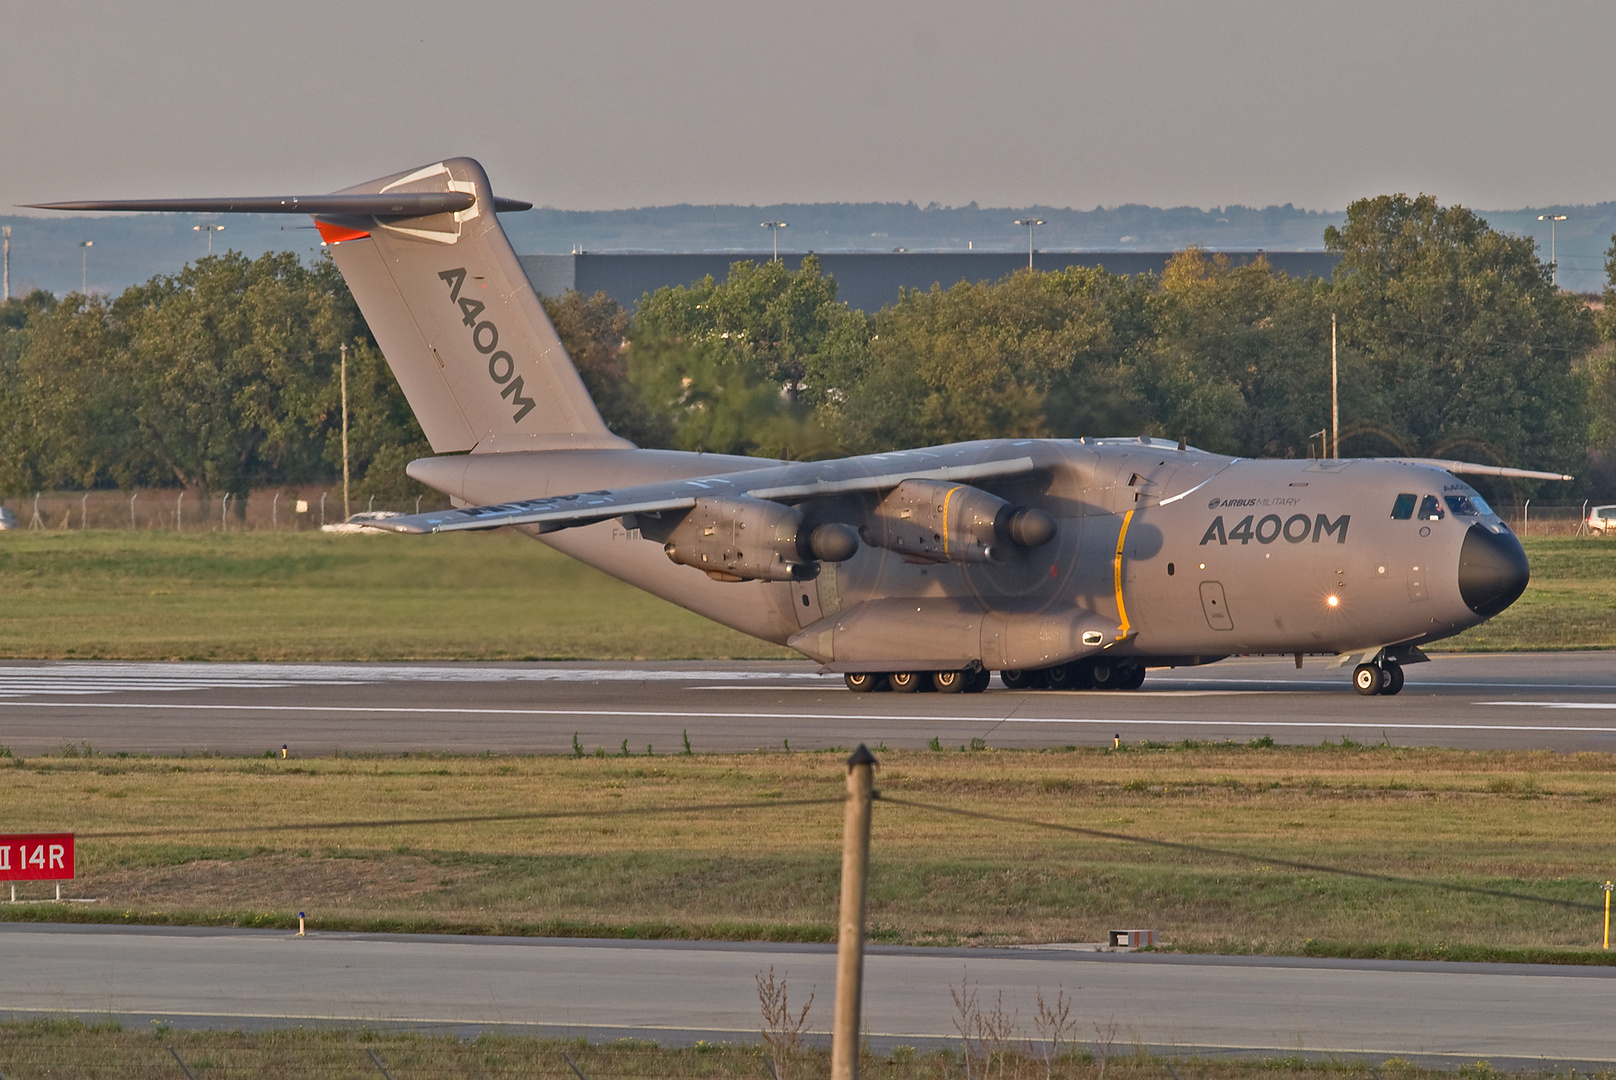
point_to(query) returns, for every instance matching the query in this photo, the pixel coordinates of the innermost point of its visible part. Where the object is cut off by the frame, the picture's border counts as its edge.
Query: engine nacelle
(736, 539)
(936, 521)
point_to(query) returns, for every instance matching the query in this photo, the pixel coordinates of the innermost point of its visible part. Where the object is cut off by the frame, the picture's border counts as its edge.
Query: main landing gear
(1095, 673)
(971, 680)
(1383, 677)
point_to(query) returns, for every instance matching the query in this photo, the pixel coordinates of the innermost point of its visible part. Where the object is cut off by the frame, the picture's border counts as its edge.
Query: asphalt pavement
(677, 992)
(1560, 701)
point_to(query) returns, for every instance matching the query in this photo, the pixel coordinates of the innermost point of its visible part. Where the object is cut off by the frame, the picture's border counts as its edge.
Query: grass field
(1571, 603)
(318, 596)
(69, 1048)
(1479, 855)
(312, 596)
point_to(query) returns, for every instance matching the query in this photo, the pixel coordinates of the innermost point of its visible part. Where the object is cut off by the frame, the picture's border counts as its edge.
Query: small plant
(967, 1017)
(1102, 1044)
(5, 751)
(648, 751)
(686, 735)
(577, 747)
(1054, 1021)
(600, 751)
(624, 751)
(1262, 742)
(935, 744)
(979, 744)
(782, 1029)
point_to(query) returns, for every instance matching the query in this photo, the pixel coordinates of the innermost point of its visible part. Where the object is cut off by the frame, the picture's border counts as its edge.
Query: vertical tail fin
(438, 283)
(458, 322)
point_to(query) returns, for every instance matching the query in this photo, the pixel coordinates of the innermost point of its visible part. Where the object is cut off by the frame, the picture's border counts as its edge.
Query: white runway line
(684, 714)
(84, 679)
(1556, 704)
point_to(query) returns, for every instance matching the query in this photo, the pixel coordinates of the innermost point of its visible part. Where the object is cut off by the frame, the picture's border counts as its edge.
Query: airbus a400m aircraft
(1061, 563)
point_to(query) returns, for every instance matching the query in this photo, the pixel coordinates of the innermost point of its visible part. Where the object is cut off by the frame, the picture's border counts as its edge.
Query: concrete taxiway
(677, 992)
(1563, 701)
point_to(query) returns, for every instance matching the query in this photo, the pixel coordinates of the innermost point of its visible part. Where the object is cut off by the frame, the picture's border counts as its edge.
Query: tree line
(1450, 337)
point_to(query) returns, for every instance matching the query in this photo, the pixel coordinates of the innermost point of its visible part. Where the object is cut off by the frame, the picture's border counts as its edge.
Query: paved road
(677, 992)
(1565, 701)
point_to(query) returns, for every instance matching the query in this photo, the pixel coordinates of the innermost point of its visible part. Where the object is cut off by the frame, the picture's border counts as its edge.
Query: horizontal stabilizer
(791, 483)
(1468, 468)
(400, 204)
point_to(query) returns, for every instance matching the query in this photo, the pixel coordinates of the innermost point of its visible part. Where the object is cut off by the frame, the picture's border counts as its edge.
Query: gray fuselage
(1169, 555)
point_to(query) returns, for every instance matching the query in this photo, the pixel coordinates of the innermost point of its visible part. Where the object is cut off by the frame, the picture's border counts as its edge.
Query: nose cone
(1492, 570)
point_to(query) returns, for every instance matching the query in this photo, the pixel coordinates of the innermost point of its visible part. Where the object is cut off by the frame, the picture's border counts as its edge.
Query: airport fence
(292, 508)
(308, 507)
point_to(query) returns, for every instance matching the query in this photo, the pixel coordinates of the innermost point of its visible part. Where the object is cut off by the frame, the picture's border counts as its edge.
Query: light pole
(84, 271)
(210, 230)
(1335, 398)
(776, 226)
(1031, 223)
(6, 293)
(1551, 219)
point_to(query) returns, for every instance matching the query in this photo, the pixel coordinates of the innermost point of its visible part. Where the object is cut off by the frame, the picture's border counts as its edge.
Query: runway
(677, 992)
(1561, 701)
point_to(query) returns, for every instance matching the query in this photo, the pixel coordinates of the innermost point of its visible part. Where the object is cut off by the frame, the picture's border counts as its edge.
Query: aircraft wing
(1462, 468)
(789, 483)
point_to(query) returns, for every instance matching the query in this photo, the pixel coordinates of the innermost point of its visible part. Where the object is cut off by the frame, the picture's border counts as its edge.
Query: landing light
(1333, 601)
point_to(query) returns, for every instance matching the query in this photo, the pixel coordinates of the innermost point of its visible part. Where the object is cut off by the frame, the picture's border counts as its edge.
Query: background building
(865, 280)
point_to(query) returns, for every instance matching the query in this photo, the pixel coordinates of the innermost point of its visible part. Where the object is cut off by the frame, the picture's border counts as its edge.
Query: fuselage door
(1216, 606)
(805, 602)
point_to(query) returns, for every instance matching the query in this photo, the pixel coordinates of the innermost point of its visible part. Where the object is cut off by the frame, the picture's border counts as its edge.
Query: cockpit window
(1468, 506)
(1403, 508)
(1431, 509)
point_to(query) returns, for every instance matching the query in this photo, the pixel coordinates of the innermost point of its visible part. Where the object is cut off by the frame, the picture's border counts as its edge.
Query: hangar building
(866, 280)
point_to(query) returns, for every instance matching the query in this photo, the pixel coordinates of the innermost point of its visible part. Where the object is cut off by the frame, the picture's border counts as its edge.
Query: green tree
(1600, 369)
(383, 435)
(218, 378)
(1033, 354)
(1237, 357)
(17, 427)
(225, 366)
(595, 331)
(1460, 344)
(739, 365)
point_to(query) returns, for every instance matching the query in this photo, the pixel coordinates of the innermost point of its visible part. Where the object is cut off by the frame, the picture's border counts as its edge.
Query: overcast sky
(606, 104)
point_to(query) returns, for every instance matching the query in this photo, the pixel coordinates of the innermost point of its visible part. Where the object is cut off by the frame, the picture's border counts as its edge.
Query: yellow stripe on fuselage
(1122, 612)
(946, 500)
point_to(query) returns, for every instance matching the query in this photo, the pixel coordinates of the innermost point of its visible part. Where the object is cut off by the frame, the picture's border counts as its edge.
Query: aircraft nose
(1492, 570)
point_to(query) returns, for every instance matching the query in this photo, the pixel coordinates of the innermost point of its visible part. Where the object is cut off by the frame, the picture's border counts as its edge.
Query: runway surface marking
(1556, 704)
(122, 678)
(675, 714)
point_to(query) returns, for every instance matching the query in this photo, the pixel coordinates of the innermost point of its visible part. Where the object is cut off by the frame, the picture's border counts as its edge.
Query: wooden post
(844, 1047)
(346, 512)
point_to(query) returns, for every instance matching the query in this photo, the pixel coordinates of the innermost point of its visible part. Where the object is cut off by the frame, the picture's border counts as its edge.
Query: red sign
(36, 857)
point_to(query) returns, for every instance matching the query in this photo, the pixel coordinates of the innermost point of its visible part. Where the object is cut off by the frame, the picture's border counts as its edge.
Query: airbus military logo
(485, 339)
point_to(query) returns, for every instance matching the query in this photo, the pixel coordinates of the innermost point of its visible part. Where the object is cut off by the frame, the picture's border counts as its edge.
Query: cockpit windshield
(1403, 508)
(1468, 505)
(1431, 509)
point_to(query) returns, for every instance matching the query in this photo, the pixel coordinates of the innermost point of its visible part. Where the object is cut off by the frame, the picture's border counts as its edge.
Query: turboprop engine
(743, 539)
(936, 521)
